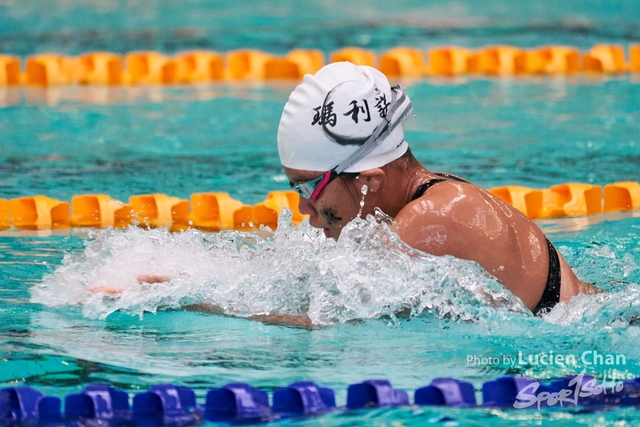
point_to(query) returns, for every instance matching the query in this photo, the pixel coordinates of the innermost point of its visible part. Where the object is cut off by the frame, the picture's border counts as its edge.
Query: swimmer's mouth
(327, 232)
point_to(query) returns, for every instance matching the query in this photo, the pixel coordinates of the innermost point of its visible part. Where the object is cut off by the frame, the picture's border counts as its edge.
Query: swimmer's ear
(372, 178)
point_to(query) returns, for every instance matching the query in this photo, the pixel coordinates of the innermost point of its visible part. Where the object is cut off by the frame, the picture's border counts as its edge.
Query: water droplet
(364, 190)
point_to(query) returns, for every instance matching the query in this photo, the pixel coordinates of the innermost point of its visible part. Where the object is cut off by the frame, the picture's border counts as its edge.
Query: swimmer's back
(455, 217)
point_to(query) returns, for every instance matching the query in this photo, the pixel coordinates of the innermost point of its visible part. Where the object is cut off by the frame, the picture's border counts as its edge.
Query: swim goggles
(313, 188)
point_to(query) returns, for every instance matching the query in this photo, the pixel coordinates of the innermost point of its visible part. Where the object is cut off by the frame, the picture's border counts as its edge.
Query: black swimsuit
(551, 295)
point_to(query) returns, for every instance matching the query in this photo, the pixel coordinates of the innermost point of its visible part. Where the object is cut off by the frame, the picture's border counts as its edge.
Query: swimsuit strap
(428, 184)
(551, 294)
(424, 187)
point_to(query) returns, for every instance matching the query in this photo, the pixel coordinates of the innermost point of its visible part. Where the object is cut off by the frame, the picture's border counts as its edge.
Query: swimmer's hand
(143, 278)
(105, 290)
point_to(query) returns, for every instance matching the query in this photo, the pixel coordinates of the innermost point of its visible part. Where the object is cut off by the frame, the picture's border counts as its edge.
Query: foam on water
(368, 273)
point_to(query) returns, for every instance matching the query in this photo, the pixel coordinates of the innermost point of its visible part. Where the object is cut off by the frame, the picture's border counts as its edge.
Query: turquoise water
(58, 338)
(30, 26)
(59, 141)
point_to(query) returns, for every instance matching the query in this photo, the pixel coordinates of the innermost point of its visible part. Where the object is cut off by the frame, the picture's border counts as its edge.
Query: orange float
(571, 199)
(526, 200)
(448, 60)
(548, 60)
(39, 213)
(94, 210)
(160, 210)
(247, 64)
(402, 62)
(145, 67)
(214, 211)
(124, 216)
(494, 60)
(5, 221)
(194, 67)
(529, 62)
(9, 70)
(634, 58)
(622, 196)
(355, 55)
(103, 68)
(243, 218)
(267, 212)
(294, 65)
(559, 59)
(50, 69)
(604, 58)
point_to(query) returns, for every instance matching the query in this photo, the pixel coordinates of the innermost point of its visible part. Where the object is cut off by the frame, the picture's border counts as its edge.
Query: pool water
(58, 338)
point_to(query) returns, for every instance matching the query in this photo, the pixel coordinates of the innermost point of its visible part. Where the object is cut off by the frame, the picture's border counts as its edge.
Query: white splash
(606, 310)
(368, 273)
(618, 303)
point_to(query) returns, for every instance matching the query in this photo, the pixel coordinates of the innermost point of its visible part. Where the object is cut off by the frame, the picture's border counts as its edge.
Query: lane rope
(198, 66)
(168, 404)
(219, 211)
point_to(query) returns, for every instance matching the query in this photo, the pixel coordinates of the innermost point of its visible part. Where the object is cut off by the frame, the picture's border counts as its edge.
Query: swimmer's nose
(306, 207)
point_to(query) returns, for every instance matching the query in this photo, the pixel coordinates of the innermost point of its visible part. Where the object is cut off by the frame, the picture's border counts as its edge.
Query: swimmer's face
(338, 204)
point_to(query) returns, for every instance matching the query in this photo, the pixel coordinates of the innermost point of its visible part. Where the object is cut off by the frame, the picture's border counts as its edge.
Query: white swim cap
(333, 113)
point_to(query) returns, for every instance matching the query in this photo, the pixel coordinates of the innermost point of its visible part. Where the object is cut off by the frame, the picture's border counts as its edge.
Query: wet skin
(330, 216)
(451, 218)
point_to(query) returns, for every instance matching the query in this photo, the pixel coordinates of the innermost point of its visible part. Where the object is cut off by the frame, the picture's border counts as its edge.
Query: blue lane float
(446, 392)
(503, 391)
(239, 403)
(372, 393)
(303, 398)
(97, 402)
(24, 405)
(166, 404)
(628, 394)
(568, 388)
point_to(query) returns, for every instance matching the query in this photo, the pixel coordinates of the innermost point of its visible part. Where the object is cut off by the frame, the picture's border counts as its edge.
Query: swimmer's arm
(271, 319)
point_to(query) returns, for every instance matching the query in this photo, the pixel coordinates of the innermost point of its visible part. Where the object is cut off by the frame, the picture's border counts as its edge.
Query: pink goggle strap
(318, 191)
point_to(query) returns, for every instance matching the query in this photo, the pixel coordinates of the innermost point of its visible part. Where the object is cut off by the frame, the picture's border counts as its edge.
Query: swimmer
(341, 139)
(342, 130)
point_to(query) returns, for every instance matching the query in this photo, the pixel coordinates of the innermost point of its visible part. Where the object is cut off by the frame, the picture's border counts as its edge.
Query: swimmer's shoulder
(440, 199)
(445, 216)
